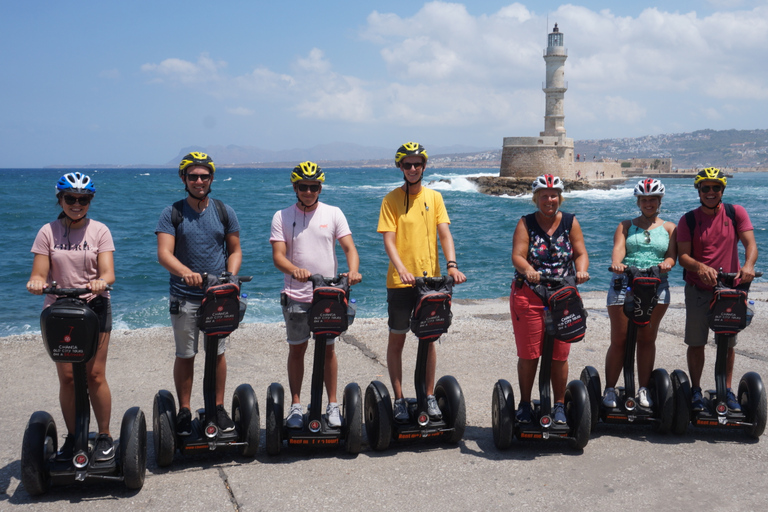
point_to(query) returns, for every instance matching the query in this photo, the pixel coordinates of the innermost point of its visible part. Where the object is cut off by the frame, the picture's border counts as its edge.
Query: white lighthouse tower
(555, 87)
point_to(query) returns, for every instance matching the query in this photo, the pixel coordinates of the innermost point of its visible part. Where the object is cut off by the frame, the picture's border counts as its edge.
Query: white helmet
(548, 181)
(649, 187)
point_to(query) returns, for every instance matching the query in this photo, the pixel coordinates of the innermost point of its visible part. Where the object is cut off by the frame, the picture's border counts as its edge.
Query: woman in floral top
(547, 242)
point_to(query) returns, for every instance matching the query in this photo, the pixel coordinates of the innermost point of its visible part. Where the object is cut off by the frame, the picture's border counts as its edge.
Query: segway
(219, 315)
(727, 317)
(70, 330)
(639, 301)
(431, 318)
(327, 319)
(576, 431)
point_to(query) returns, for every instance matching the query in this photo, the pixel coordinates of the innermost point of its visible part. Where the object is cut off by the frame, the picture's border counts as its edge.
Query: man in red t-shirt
(712, 245)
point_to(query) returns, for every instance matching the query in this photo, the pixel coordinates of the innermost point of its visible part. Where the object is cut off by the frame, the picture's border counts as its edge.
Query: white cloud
(447, 67)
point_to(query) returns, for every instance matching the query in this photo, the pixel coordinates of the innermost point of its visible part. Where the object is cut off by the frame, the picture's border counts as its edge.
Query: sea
(129, 202)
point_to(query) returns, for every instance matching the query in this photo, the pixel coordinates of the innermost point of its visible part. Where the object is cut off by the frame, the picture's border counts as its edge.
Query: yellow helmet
(709, 174)
(410, 149)
(307, 171)
(196, 158)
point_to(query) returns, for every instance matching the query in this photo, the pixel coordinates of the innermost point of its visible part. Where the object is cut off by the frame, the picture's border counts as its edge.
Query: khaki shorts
(185, 331)
(696, 322)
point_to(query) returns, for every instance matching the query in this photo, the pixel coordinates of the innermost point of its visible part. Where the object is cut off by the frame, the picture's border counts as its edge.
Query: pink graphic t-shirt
(73, 253)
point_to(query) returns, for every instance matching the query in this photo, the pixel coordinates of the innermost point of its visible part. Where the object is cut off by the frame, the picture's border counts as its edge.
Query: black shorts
(400, 304)
(102, 306)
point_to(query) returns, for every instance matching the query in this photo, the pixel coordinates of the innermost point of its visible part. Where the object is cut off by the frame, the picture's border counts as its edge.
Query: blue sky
(87, 82)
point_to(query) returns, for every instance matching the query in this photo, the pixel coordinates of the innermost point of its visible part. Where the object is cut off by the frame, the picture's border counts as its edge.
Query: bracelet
(452, 264)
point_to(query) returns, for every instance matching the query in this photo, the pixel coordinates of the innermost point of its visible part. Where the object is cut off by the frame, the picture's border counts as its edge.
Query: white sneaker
(644, 398)
(334, 416)
(609, 398)
(295, 417)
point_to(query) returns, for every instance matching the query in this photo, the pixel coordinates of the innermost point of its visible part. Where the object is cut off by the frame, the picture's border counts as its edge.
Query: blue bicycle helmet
(76, 183)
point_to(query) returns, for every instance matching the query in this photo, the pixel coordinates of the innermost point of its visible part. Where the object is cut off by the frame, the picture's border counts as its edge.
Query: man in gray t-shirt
(202, 242)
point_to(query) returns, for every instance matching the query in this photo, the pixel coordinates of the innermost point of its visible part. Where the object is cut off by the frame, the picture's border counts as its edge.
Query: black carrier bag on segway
(220, 311)
(328, 312)
(432, 314)
(569, 317)
(70, 330)
(728, 310)
(645, 288)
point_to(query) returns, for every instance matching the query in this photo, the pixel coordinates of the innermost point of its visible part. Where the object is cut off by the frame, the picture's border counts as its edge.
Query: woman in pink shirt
(77, 252)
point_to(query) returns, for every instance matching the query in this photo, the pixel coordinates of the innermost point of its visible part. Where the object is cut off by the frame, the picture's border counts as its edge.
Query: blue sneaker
(558, 414)
(697, 400)
(524, 414)
(401, 411)
(295, 417)
(731, 401)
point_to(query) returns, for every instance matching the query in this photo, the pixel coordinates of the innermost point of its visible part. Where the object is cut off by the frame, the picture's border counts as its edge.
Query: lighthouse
(555, 86)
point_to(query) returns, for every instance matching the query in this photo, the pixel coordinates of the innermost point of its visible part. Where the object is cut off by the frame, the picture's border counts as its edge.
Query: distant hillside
(703, 148)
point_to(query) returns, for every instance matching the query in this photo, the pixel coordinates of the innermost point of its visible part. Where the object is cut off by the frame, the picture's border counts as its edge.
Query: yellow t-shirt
(416, 231)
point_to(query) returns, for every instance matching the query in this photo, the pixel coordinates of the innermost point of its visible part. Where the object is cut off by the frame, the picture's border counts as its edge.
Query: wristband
(452, 264)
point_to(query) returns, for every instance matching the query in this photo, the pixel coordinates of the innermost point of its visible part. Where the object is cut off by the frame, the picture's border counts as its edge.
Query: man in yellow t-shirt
(412, 219)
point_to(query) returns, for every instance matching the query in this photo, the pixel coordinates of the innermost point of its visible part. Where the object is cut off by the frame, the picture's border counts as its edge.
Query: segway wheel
(164, 427)
(577, 411)
(660, 389)
(133, 448)
(378, 416)
(681, 390)
(274, 421)
(39, 445)
(352, 408)
(753, 402)
(503, 414)
(450, 400)
(591, 378)
(245, 414)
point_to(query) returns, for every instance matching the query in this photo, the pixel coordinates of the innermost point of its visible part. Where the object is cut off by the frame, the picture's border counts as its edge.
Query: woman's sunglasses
(303, 187)
(83, 200)
(714, 188)
(647, 236)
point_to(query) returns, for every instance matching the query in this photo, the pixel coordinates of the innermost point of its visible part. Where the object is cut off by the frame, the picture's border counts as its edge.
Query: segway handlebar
(225, 277)
(67, 292)
(727, 278)
(628, 269)
(434, 281)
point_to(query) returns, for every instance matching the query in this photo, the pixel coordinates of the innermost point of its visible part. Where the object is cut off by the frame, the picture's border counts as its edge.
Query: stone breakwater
(501, 186)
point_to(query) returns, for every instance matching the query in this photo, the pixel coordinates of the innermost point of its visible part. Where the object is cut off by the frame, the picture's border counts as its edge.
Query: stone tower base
(534, 156)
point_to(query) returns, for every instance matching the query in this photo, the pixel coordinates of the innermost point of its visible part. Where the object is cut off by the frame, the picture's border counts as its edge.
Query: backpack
(728, 310)
(177, 216)
(328, 312)
(432, 313)
(639, 305)
(566, 310)
(219, 311)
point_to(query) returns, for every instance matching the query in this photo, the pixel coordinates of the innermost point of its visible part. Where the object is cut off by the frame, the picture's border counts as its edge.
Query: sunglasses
(83, 200)
(411, 165)
(303, 187)
(647, 236)
(714, 188)
(195, 177)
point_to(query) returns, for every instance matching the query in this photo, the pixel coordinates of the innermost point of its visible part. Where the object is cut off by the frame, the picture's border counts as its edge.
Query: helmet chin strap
(713, 208)
(408, 191)
(307, 206)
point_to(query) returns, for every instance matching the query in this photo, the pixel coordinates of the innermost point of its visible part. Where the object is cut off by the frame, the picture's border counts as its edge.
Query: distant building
(552, 152)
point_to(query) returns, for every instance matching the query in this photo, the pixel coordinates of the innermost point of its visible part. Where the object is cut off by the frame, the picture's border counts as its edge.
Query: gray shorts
(696, 321)
(185, 331)
(297, 322)
(616, 298)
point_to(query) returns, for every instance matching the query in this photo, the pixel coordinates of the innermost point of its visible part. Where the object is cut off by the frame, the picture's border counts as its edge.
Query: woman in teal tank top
(641, 242)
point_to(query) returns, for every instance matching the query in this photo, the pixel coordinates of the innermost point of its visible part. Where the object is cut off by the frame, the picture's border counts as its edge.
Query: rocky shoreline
(503, 186)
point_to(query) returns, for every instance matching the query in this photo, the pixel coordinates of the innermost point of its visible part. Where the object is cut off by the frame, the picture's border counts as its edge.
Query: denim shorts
(616, 298)
(102, 306)
(185, 330)
(297, 322)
